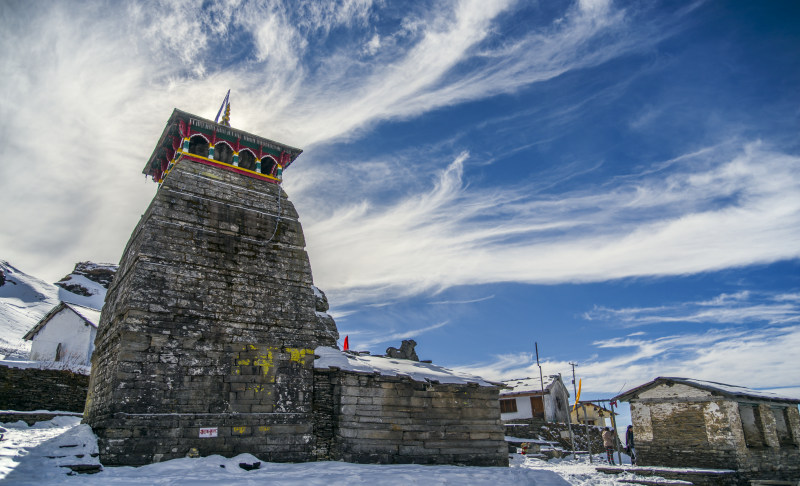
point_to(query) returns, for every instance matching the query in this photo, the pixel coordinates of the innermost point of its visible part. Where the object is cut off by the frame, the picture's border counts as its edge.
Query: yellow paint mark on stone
(243, 362)
(298, 355)
(240, 430)
(263, 428)
(211, 175)
(267, 363)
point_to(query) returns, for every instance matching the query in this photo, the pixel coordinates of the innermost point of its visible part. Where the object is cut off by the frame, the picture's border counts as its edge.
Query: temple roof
(196, 124)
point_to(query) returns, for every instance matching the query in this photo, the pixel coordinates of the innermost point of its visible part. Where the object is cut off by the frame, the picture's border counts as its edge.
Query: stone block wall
(708, 433)
(680, 438)
(26, 389)
(586, 437)
(209, 323)
(367, 418)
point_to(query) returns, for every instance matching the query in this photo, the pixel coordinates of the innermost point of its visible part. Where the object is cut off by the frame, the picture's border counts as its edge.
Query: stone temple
(211, 328)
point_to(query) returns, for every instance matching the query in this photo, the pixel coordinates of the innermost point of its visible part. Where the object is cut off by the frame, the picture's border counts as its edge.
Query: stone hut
(379, 409)
(208, 334)
(683, 422)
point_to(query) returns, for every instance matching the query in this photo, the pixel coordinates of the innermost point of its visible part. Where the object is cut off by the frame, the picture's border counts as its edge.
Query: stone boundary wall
(36, 389)
(364, 418)
(585, 436)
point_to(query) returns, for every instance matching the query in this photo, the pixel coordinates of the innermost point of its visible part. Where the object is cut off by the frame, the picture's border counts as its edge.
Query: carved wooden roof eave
(171, 129)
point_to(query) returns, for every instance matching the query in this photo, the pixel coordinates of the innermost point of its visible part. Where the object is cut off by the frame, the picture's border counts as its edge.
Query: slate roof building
(526, 398)
(683, 422)
(65, 334)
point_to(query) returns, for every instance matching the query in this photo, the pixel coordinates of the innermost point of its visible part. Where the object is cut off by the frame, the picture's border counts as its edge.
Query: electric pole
(541, 378)
(573, 379)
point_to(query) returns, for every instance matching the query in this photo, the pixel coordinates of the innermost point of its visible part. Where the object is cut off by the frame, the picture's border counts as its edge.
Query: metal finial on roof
(225, 105)
(226, 119)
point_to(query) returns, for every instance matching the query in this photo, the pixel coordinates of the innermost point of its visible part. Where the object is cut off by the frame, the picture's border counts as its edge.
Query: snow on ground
(29, 456)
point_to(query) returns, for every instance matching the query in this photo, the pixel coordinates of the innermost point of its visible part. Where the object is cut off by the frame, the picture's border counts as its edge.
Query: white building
(526, 398)
(65, 334)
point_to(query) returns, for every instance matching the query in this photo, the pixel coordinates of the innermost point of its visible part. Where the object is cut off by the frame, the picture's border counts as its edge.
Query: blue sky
(617, 181)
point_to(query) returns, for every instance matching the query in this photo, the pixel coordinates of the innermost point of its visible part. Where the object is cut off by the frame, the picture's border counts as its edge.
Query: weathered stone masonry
(41, 389)
(208, 324)
(370, 418)
(680, 422)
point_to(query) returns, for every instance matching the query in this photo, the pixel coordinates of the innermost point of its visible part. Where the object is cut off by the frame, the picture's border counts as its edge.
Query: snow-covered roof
(719, 388)
(528, 386)
(416, 370)
(90, 316)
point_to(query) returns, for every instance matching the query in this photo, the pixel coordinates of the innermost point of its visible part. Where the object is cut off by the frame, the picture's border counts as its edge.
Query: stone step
(650, 482)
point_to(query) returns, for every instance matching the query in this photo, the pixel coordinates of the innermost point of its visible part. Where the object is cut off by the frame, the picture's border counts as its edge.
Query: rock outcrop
(99, 273)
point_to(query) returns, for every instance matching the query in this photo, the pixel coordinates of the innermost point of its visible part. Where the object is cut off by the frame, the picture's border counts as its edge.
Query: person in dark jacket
(629, 447)
(608, 443)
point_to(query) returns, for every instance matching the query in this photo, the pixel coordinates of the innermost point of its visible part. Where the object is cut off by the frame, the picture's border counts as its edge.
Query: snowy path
(28, 456)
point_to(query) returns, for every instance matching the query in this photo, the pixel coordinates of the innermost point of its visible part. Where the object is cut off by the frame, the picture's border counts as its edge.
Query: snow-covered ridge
(25, 299)
(416, 370)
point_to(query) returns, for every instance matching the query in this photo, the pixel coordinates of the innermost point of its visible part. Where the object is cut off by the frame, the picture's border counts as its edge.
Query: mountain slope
(25, 299)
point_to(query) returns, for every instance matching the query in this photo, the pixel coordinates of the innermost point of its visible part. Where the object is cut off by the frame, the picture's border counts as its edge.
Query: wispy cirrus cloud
(96, 80)
(738, 308)
(731, 355)
(470, 301)
(368, 339)
(730, 205)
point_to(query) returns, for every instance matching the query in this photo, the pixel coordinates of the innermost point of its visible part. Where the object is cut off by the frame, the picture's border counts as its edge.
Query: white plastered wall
(523, 409)
(75, 336)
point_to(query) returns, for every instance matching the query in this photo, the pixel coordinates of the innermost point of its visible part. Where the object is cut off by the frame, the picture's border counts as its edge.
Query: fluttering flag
(346, 344)
(222, 106)
(577, 398)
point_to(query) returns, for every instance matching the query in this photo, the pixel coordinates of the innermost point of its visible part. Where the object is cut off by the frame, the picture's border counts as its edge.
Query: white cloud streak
(368, 339)
(762, 359)
(87, 86)
(715, 209)
(740, 308)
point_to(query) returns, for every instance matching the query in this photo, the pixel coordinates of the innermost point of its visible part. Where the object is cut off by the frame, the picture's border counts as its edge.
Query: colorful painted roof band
(190, 137)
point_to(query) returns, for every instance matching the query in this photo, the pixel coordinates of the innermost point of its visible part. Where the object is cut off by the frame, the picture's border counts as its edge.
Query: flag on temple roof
(223, 106)
(226, 119)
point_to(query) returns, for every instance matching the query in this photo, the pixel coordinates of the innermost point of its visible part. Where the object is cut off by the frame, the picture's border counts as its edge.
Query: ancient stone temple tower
(208, 332)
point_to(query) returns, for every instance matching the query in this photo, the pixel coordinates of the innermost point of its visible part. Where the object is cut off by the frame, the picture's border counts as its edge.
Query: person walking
(629, 447)
(608, 443)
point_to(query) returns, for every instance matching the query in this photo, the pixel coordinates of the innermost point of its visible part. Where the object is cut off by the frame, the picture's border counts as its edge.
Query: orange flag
(577, 399)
